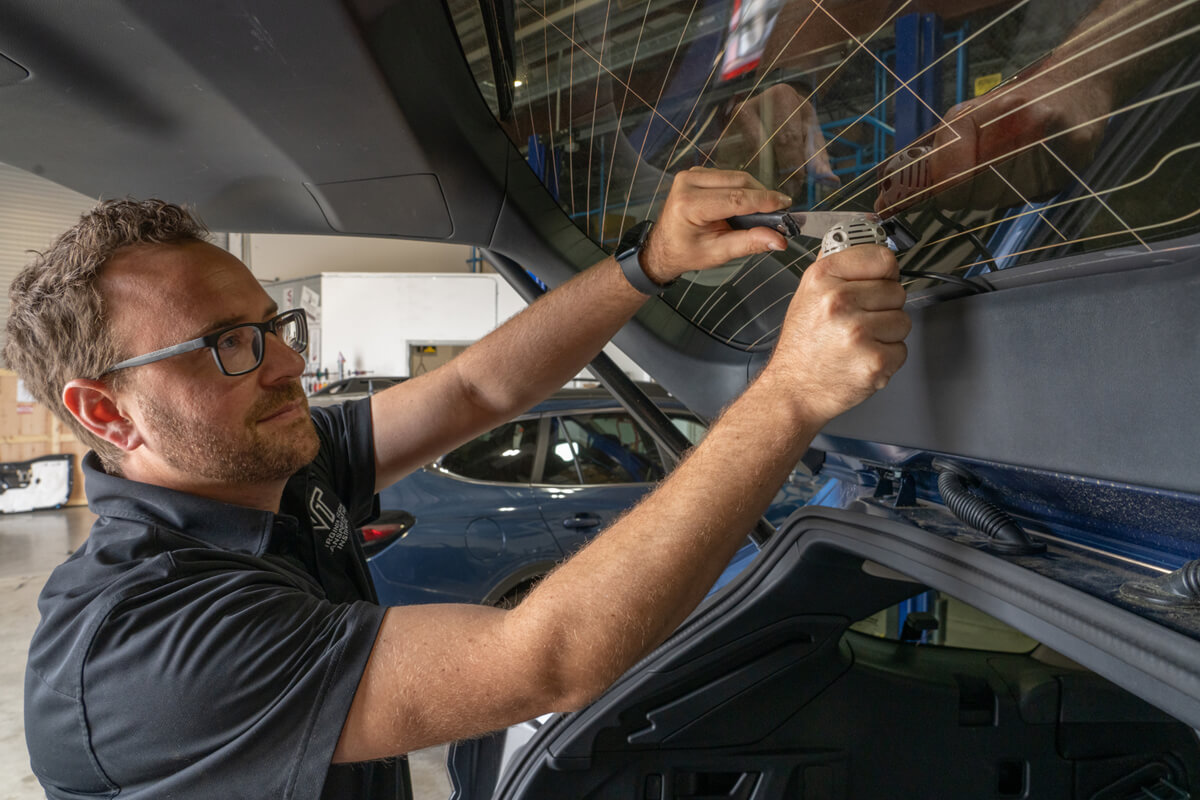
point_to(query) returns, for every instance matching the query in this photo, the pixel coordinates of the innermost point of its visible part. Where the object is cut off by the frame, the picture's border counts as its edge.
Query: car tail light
(373, 533)
(391, 526)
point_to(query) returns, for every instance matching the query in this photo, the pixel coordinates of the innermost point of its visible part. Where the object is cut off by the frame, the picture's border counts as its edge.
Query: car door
(478, 530)
(598, 464)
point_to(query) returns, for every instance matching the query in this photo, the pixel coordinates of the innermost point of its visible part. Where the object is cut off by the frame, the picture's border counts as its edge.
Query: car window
(504, 454)
(690, 427)
(562, 467)
(601, 448)
(937, 619)
(1000, 135)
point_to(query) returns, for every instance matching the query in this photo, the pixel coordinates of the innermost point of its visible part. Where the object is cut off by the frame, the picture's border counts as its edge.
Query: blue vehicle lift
(920, 40)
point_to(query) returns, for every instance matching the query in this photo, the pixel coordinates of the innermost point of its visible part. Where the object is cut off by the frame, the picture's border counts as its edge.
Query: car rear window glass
(999, 134)
(504, 454)
(937, 619)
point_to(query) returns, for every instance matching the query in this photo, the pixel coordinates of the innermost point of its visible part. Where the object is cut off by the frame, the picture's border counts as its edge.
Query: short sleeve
(346, 460)
(243, 674)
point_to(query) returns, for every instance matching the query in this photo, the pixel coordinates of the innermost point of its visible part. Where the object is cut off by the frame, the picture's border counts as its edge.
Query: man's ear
(95, 405)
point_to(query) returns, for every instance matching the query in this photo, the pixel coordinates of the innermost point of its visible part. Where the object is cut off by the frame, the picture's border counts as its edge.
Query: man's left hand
(692, 233)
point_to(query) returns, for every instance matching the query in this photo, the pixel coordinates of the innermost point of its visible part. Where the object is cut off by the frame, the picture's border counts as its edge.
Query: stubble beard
(248, 455)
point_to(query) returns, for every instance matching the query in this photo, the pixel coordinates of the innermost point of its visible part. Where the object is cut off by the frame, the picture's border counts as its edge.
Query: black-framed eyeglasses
(237, 349)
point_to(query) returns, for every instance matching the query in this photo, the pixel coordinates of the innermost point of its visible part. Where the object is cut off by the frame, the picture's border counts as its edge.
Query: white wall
(370, 320)
(278, 257)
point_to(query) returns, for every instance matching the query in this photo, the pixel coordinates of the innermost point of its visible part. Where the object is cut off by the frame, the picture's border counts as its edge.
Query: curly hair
(57, 326)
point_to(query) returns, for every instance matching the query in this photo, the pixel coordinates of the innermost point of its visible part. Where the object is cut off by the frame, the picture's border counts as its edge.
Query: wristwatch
(628, 256)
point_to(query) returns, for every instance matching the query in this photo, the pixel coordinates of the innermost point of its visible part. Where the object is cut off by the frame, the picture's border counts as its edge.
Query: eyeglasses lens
(291, 332)
(240, 349)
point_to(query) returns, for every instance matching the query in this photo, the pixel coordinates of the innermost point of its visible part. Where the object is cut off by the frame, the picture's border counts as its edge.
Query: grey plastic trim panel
(1154, 663)
(1096, 376)
(394, 206)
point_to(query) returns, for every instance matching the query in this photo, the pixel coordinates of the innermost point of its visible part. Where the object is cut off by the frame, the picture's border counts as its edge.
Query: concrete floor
(31, 545)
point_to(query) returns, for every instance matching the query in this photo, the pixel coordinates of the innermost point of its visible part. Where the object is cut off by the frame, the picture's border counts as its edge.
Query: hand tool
(837, 230)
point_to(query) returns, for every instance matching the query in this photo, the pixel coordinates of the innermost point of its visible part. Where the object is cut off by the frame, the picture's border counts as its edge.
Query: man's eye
(238, 337)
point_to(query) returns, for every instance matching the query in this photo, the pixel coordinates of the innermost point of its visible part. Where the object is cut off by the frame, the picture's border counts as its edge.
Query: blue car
(485, 521)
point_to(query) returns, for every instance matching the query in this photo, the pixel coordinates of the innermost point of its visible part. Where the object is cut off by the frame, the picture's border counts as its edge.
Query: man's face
(201, 427)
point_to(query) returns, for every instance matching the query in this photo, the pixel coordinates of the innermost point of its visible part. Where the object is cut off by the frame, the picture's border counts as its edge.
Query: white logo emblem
(325, 519)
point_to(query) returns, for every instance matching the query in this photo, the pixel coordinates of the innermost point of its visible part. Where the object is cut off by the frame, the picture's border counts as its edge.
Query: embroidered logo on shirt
(325, 519)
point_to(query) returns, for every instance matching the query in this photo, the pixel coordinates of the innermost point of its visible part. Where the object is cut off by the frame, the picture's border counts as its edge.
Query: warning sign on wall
(25, 401)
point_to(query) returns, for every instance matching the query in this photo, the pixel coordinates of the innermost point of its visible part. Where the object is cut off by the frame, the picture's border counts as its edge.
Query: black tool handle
(777, 220)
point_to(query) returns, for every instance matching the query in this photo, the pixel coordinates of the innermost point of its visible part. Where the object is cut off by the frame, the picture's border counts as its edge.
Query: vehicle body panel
(456, 548)
(476, 540)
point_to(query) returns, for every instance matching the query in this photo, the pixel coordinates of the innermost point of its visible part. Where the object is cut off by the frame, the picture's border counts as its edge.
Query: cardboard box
(29, 429)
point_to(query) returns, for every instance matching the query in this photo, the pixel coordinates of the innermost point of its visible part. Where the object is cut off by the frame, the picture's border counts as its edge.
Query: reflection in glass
(1000, 133)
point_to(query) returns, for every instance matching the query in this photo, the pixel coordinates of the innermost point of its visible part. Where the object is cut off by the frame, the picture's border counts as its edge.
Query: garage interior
(316, 272)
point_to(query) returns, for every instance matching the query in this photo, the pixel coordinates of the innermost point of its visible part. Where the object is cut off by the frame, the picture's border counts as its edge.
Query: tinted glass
(602, 448)
(947, 622)
(562, 465)
(504, 454)
(999, 133)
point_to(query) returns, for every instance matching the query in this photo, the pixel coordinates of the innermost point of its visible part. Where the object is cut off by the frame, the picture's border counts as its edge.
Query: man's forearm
(509, 370)
(442, 672)
(624, 593)
(543, 347)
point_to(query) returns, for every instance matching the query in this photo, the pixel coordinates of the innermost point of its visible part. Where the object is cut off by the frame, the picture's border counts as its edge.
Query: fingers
(872, 310)
(860, 263)
(692, 232)
(877, 295)
(889, 327)
(707, 178)
(717, 194)
(718, 204)
(891, 358)
(738, 244)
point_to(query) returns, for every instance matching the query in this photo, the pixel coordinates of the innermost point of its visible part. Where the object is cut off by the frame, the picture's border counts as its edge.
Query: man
(216, 637)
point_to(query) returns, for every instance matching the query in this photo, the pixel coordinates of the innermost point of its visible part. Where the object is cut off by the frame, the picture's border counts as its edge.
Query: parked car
(351, 388)
(897, 638)
(484, 522)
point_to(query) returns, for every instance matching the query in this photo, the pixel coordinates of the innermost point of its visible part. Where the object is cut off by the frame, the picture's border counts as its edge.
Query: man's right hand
(843, 337)
(444, 672)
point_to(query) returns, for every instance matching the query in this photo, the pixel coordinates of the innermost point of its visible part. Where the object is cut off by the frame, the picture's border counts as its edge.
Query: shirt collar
(222, 525)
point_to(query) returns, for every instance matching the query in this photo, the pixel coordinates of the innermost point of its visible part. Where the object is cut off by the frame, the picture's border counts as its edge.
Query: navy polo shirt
(194, 649)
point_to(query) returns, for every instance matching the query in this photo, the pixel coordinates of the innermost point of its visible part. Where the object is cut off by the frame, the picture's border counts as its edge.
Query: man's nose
(280, 362)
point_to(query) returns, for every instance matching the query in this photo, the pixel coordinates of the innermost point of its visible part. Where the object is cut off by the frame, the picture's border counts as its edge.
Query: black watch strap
(629, 258)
